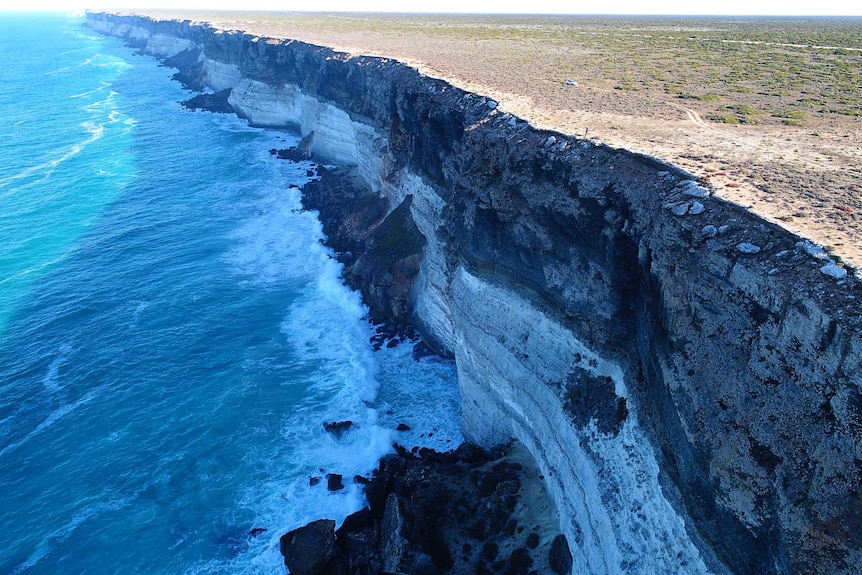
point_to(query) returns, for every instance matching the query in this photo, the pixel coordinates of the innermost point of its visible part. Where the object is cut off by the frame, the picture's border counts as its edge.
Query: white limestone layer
(512, 360)
(219, 75)
(167, 46)
(133, 33)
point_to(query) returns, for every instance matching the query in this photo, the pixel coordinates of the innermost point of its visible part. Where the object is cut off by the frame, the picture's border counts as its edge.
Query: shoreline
(572, 282)
(513, 525)
(464, 511)
(504, 519)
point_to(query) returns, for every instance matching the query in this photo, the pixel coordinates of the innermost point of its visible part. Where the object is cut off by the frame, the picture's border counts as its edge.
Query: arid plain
(767, 110)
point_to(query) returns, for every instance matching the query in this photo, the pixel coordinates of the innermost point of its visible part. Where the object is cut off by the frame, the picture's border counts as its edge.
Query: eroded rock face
(217, 102)
(694, 405)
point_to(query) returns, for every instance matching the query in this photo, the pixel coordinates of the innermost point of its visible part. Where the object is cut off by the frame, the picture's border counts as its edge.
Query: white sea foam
(101, 88)
(139, 309)
(58, 536)
(51, 381)
(273, 246)
(279, 244)
(278, 241)
(53, 418)
(421, 394)
(34, 269)
(102, 60)
(327, 337)
(328, 323)
(231, 123)
(287, 499)
(44, 170)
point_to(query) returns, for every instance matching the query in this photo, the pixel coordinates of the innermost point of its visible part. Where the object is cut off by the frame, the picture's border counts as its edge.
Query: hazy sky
(771, 7)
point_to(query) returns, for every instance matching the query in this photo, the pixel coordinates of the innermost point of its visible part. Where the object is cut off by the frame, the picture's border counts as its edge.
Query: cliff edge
(686, 375)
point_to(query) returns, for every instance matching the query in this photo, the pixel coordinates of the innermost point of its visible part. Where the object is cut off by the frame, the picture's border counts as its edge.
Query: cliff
(686, 376)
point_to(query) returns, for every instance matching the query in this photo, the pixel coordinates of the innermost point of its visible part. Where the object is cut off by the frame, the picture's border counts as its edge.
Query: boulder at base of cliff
(308, 549)
(217, 102)
(338, 428)
(462, 512)
(561, 556)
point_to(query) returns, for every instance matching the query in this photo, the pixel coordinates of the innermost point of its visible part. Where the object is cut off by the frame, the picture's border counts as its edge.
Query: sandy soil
(650, 88)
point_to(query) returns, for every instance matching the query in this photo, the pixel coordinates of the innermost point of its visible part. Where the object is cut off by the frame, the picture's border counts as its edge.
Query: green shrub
(723, 118)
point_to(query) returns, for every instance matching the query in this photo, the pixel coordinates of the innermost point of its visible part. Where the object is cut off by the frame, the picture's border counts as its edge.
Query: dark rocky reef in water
(739, 344)
(459, 512)
(216, 102)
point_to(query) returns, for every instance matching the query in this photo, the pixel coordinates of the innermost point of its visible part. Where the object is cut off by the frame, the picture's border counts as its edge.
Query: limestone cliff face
(686, 375)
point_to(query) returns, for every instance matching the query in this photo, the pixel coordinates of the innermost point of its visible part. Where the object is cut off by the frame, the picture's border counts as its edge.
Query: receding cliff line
(686, 375)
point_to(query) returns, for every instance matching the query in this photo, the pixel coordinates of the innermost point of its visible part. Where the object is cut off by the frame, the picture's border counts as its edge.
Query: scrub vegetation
(809, 66)
(767, 110)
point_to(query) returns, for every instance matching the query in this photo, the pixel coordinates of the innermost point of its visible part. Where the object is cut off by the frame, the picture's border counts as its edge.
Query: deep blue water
(172, 332)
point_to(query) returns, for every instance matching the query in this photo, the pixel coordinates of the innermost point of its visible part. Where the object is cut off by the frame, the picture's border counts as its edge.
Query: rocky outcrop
(686, 375)
(464, 512)
(308, 549)
(380, 247)
(217, 103)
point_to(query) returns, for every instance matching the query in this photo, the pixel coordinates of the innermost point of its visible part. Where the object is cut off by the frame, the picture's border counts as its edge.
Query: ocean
(173, 333)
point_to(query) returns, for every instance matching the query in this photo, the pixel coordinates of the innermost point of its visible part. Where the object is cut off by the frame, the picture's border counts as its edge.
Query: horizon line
(403, 13)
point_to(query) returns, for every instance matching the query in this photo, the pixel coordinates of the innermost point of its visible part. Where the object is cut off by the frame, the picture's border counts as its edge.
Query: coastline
(487, 282)
(799, 174)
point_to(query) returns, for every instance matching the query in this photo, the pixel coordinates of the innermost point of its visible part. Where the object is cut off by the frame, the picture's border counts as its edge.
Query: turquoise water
(172, 332)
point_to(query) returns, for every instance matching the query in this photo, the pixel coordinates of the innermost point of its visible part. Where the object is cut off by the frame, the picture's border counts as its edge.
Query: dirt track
(669, 88)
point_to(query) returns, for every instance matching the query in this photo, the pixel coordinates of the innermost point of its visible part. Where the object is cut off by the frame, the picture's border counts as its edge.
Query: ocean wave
(51, 381)
(58, 536)
(278, 241)
(33, 269)
(52, 418)
(91, 92)
(59, 71)
(45, 169)
(102, 60)
(234, 125)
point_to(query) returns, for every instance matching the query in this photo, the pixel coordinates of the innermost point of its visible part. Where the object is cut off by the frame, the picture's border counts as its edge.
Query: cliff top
(768, 111)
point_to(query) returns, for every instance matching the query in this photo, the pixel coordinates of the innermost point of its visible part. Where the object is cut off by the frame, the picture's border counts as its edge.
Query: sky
(717, 7)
